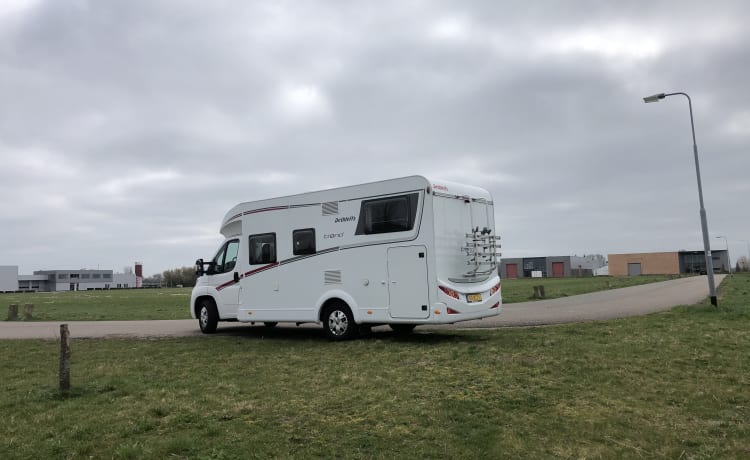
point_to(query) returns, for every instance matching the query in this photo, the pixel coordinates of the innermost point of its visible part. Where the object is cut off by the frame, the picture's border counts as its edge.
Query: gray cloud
(127, 129)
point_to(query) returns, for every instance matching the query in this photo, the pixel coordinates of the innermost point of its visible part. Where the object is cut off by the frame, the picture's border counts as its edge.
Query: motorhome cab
(400, 252)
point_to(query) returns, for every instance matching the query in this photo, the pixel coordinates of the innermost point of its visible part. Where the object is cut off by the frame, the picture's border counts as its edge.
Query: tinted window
(262, 248)
(217, 265)
(386, 215)
(226, 258)
(230, 260)
(303, 241)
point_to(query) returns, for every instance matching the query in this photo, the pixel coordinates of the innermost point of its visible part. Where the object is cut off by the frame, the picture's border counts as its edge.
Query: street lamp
(729, 259)
(704, 224)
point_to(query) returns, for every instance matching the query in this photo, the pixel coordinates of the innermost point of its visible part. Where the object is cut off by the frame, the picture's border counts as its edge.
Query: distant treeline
(183, 276)
(742, 265)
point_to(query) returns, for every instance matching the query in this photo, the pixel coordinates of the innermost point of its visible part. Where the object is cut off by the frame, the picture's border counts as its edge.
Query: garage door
(634, 269)
(511, 270)
(558, 269)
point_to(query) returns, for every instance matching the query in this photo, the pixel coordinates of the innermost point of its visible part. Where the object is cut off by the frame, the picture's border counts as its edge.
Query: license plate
(474, 298)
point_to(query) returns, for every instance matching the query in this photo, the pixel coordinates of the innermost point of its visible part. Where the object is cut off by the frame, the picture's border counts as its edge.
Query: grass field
(144, 304)
(116, 304)
(674, 384)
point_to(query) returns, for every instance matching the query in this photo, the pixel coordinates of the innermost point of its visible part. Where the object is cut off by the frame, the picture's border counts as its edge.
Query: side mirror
(199, 271)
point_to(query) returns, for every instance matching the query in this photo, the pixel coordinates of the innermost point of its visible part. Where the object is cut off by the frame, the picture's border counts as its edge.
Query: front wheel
(338, 322)
(208, 317)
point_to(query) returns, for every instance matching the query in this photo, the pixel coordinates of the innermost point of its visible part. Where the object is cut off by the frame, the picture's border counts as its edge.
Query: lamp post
(704, 224)
(729, 259)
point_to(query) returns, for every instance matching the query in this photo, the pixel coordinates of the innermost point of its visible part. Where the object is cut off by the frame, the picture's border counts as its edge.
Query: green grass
(522, 289)
(673, 384)
(116, 304)
(144, 304)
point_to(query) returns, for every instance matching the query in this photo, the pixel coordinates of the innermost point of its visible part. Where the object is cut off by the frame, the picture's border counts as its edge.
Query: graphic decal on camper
(275, 264)
(274, 208)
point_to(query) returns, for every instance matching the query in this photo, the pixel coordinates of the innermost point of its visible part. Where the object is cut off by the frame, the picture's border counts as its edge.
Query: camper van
(401, 252)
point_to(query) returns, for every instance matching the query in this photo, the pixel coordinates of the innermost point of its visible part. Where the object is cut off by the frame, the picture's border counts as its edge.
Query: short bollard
(539, 292)
(28, 309)
(64, 358)
(13, 312)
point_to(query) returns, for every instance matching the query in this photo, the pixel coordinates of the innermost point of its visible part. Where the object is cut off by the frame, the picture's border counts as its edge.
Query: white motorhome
(400, 252)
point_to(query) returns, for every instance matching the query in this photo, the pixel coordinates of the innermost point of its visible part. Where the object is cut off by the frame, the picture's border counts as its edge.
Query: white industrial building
(65, 280)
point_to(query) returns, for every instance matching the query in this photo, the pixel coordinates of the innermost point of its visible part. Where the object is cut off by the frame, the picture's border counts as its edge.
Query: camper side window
(263, 249)
(230, 260)
(386, 215)
(303, 241)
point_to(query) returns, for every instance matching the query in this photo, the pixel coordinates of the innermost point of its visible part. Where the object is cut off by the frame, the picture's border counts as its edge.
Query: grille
(330, 208)
(332, 277)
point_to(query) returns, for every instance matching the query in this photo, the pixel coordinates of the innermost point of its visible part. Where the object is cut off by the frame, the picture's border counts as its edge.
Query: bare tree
(743, 265)
(184, 276)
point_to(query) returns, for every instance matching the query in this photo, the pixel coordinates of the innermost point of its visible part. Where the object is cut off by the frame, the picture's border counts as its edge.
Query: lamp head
(654, 98)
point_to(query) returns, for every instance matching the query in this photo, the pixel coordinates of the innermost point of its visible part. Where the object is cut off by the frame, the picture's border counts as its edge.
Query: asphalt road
(596, 306)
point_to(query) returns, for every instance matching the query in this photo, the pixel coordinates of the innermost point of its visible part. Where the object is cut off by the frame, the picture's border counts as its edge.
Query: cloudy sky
(128, 129)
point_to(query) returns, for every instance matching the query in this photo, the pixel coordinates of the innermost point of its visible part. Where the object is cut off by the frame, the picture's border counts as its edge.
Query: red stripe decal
(227, 284)
(250, 273)
(258, 270)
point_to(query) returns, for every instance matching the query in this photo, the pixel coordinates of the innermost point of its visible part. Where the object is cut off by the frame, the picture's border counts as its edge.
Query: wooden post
(13, 312)
(64, 358)
(28, 309)
(542, 295)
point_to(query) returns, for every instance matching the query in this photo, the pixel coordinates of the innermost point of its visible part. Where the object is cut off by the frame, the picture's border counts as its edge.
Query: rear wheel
(208, 317)
(338, 322)
(402, 329)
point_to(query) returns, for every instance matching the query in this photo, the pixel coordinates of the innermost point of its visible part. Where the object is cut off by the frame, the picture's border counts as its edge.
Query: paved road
(603, 305)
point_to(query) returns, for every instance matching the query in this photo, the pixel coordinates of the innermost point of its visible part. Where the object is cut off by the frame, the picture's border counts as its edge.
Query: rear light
(449, 292)
(495, 289)
(451, 311)
(497, 305)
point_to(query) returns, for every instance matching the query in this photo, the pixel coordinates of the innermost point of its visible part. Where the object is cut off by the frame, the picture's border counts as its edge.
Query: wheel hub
(338, 322)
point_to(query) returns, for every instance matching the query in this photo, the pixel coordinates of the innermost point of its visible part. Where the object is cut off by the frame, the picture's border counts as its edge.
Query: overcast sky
(128, 128)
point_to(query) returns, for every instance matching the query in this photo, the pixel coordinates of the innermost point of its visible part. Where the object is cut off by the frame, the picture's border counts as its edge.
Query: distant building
(8, 278)
(551, 266)
(63, 280)
(666, 263)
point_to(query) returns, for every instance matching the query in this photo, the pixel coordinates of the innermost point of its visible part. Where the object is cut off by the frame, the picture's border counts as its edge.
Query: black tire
(338, 322)
(208, 316)
(270, 323)
(402, 329)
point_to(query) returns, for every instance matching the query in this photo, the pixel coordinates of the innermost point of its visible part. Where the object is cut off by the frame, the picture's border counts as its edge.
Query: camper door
(222, 275)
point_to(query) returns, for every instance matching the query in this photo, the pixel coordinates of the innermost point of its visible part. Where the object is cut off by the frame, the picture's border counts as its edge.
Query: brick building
(666, 263)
